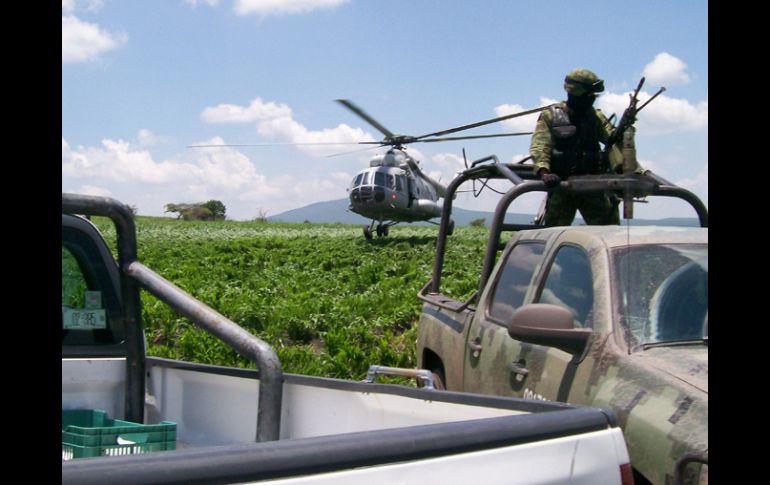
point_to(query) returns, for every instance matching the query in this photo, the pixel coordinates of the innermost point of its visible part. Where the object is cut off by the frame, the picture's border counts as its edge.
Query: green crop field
(328, 301)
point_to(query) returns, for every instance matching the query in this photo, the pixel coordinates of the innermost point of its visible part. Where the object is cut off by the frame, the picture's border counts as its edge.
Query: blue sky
(143, 80)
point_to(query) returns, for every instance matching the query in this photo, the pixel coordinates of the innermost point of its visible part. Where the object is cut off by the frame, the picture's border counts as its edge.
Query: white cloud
(341, 177)
(448, 161)
(219, 173)
(283, 7)
(663, 115)
(449, 165)
(115, 161)
(522, 123)
(147, 138)
(68, 6)
(83, 41)
(652, 166)
(666, 70)
(275, 122)
(195, 3)
(256, 111)
(92, 190)
(699, 185)
(94, 5)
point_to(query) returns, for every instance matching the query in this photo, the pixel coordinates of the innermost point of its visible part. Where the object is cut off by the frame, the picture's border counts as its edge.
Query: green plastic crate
(90, 432)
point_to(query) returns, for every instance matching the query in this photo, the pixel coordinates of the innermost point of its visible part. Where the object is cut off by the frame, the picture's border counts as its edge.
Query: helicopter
(394, 189)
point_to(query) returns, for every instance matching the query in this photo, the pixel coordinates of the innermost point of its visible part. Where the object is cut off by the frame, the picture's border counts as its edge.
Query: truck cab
(596, 315)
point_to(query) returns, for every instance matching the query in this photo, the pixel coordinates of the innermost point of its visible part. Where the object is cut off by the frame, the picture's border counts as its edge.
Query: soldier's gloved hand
(550, 179)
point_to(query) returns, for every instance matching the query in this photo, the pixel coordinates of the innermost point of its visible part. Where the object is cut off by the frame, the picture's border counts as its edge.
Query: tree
(213, 210)
(477, 222)
(216, 208)
(262, 216)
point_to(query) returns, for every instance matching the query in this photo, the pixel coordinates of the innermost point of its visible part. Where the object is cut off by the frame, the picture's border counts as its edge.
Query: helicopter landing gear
(383, 229)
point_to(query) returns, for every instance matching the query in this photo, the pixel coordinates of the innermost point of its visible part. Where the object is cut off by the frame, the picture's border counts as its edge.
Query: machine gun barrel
(627, 119)
(651, 98)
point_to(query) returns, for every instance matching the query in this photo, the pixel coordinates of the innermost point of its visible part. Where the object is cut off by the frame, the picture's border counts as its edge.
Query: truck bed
(342, 430)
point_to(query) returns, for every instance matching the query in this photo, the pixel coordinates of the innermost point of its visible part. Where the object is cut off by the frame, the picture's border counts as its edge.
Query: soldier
(566, 142)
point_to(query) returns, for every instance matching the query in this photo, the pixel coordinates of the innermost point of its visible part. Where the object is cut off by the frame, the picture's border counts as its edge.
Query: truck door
(502, 365)
(567, 281)
(492, 363)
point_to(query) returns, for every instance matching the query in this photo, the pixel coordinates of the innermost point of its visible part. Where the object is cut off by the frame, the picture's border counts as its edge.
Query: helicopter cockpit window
(391, 181)
(399, 183)
(379, 179)
(365, 180)
(358, 180)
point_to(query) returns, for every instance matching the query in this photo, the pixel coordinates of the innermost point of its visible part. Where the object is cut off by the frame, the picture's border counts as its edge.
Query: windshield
(661, 292)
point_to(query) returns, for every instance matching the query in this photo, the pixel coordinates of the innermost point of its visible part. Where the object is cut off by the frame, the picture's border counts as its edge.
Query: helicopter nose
(367, 194)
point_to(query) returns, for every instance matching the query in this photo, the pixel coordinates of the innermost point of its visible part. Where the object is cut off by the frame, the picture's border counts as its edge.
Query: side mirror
(551, 325)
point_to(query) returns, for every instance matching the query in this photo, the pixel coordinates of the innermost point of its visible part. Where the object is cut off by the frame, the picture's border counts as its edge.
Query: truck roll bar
(132, 275)
(524, 180)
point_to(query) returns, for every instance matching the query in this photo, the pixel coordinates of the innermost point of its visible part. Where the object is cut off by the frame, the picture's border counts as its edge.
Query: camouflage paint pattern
(660, 395)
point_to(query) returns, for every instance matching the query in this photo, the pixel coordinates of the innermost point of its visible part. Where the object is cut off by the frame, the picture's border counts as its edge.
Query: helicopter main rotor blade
(472, 137)
(352, 107)
(482, 123)
(355, 151)
(224, 145)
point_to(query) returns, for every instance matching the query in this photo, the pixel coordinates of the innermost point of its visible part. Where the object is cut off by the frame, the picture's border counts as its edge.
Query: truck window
(662, 292)
(515, 277)
(569, 283)
(85, 318)
(73, 283)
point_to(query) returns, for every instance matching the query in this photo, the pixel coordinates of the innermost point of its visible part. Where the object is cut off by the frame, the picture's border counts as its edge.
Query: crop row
(329, 302)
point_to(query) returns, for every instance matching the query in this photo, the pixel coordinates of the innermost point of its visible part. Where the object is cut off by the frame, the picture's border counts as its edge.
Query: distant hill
(336, 211)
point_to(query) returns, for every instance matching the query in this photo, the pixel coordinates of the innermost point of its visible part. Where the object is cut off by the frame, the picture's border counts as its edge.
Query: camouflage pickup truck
(609, 316)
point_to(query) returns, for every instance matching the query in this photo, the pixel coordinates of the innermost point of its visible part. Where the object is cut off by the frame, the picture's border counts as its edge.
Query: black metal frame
(524, 180)
(134, 274)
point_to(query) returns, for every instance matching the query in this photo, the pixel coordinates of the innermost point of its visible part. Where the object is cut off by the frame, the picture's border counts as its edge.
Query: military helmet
(582, 81)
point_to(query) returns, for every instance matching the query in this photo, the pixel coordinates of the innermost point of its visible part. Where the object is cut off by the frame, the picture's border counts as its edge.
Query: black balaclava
(580, 104)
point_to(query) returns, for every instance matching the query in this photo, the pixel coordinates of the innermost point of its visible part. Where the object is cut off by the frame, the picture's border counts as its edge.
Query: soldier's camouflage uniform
(592, 128)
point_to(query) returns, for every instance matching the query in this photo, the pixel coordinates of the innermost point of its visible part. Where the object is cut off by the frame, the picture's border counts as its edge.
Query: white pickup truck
(228, 425)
